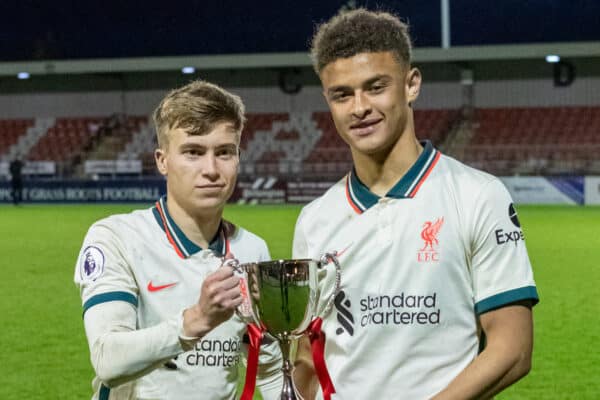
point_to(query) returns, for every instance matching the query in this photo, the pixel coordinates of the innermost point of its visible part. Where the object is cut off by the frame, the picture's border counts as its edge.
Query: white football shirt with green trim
(418, 266)
(145, 260)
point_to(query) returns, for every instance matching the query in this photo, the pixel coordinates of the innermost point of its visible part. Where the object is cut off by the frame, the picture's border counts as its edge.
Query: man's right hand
(219, 296)
(305, 376)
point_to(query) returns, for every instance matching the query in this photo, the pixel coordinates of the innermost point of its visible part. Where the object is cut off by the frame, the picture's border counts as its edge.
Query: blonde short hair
(197, 107)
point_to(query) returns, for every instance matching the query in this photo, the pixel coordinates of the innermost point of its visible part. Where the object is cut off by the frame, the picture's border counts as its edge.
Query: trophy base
(289, 391)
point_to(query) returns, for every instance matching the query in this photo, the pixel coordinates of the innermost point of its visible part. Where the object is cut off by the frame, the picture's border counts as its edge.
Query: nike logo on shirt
(152, 288)
(339, 254)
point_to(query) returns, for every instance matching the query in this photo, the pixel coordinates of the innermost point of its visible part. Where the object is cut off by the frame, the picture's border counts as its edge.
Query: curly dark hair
(359, 31)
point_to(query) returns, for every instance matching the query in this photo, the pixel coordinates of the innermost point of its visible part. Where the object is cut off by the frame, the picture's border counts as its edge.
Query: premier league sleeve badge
(91, 263)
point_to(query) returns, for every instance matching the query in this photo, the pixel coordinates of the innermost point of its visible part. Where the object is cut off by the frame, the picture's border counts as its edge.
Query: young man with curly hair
(437, 287)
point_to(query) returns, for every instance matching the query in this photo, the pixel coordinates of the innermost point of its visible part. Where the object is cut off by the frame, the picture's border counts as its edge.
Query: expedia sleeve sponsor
(510, 235)
(499, 260)
(495, 220)
(503, 237)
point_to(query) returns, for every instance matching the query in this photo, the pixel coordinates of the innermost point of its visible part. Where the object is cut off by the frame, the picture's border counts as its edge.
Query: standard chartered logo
(214, 353)
(344, 315)
(401, 309)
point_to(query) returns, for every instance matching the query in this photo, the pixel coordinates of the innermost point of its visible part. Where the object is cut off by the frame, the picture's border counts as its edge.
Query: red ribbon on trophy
(255, 335)
(317, 343)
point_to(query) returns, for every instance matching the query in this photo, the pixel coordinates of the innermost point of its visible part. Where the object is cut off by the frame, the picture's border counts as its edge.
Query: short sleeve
(102, 272)
(500, 266)
(264, 254)
(300, 246)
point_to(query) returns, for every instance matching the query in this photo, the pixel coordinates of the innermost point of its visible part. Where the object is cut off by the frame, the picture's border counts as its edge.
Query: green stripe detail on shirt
(110, 296)
(502, 299)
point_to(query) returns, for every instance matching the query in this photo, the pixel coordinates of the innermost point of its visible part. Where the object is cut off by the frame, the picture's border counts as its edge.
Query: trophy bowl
(281, 297)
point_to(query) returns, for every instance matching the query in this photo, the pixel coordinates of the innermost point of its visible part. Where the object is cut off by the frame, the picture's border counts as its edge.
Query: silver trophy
(283, 296)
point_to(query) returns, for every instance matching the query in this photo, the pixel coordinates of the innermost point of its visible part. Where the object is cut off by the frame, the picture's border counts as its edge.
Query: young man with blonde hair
(158, 305)
(437, 287)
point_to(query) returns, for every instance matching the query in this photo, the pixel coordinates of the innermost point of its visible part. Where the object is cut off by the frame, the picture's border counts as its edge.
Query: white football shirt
(143, 259)
(418, 266)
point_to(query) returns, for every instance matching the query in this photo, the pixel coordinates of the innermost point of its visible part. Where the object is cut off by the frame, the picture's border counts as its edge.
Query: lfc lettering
(428, 256)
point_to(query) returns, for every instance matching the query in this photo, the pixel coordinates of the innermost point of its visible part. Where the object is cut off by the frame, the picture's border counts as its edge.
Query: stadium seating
(277, 144)
(536, 140)
(331, 156)
(259, 122)
(10, 132)
(503, 141)
(435, 124)
(272, 143)
(118, 140)
(66, 139)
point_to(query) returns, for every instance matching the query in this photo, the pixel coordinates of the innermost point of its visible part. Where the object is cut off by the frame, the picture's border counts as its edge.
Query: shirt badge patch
(510, 235)
(91, 265)
(429, 235)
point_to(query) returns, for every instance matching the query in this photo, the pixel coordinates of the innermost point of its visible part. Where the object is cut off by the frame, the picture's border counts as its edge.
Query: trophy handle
(244, 311)
(325, 259)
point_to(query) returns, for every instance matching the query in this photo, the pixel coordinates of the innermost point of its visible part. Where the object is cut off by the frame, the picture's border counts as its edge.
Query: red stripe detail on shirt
(166, 227)
(354, 206)
(227, 245)
(433, 163)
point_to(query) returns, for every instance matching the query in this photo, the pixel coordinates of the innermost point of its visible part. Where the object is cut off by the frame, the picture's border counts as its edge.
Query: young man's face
(201, 170)
(369, 96)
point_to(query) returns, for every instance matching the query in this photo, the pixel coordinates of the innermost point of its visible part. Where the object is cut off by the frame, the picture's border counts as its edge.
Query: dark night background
(63, 29)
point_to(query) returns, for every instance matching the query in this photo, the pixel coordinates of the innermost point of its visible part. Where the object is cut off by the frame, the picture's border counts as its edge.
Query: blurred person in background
(16, 179)
(437, 287)
(158, 303)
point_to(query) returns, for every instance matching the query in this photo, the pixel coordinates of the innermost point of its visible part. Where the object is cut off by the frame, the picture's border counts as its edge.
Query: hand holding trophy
(281, 299)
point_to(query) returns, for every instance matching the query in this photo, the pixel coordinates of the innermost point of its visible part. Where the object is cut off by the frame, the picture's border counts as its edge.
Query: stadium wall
(519, 93)
(592, 190)
(436, 95)
(536, 93)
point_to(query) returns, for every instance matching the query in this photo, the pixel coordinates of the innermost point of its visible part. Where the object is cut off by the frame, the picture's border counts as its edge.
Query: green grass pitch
(45, 355)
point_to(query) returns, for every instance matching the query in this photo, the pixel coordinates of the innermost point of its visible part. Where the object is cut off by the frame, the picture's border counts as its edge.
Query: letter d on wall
(564, 73)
